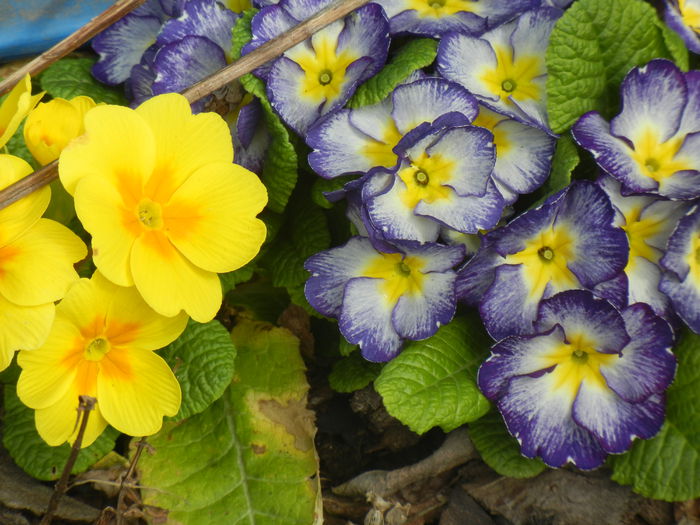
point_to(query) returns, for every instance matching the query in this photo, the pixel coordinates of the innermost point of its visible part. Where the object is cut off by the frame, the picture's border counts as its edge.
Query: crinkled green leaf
(591, 48)
(413, 55)
(202, 359)
(346, 348)
(231, 279)
(321, 186)
(72, 77)
(433, 382)
(353, 373)
(280, 167)
(258, 300)
(500, 450)
(17, 147)
(304, 233)
(676, 46)
(565, 159)
(32, 453)
(250, 458)
(667, 467)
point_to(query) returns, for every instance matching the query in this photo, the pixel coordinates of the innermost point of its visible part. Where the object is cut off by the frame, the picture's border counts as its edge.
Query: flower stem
(129, 473)
(87, 404)
(71, 42)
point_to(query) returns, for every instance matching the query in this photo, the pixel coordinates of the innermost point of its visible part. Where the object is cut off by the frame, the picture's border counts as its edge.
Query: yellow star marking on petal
(694, 260)
(690, 15)
(514, 78)
(381, 152)
(324, 68)
(425, 179)
(490, 119)
(544, 259)
(638, 231)
(658, 160)
(576, 362)
(441, 8)
(402, 275)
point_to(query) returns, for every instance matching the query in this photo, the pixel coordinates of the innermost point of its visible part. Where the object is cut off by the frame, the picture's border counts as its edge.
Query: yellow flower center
(638, 231)
(96, 349)
(658, 160)
(381, 153)
(576, 362)
(401, 275)
(690, 15)
(514, 78)
(490, 119)
(324, 68)
(150, 214)
(425, 180)
(544, 260)
(440, 8)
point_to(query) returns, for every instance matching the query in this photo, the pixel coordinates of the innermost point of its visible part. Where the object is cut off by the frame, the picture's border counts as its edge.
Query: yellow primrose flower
(166, 207)
(52, 125)
(36, 265)
(101, 345)
(15, 107)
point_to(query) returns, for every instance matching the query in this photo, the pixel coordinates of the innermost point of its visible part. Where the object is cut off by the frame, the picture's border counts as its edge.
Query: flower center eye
(546, 254)
(508, 85)
(421, 177)
(403, 269)
(96, 349)
(579, 356)
(652, 165)
(325, 77)
(150, 214)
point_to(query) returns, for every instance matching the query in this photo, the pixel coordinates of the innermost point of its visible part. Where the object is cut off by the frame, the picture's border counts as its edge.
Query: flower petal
(418, 316)
(24, 328)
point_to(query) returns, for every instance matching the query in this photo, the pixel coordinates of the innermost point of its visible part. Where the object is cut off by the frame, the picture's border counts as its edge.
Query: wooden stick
(71, 42)
(272, 48)
(240, 67)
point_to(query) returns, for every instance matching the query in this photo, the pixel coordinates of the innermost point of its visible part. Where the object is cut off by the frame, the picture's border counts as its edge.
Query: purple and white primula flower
(681, 281)
(320, 74)
(435, 18)
(648, 222)
(505, 67)
(443, 179)
(569, 242)
(653, 145)
(683, 16)
(585, 383)
(381, 299)
(358, 140)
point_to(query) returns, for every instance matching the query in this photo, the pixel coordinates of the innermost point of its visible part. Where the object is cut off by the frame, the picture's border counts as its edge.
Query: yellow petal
(184, 142)
(23, 328)
(50, 127)
(211, 217)
(117, 145)
(15, 107)
(48, 372)
(58, 423)
(83, 104)
(37, 267)
(18, 217)
(113, 224)
(169, 283)
(135, 389)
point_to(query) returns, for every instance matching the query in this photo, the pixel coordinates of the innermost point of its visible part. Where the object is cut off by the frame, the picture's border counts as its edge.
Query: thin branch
(129, 473)
(272, 48)
(71, 42)
(87, 404)
(240, 67)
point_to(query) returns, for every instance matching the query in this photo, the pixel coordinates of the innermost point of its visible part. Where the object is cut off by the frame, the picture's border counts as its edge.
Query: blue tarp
(29, 27)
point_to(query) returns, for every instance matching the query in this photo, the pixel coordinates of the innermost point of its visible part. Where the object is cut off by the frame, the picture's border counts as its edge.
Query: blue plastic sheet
(29, 27)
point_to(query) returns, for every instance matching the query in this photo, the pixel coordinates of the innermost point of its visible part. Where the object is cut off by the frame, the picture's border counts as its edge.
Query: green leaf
(303, 234)
(61, 208)
(32, 453)
(280, 167)
(249, 458)
(296, 294)
(17, 147)
(500, 450)
(71, 77)
(202, 359)
(231, 279)
(591, 48)
(675, 45)
(666, 467)
(433, 382)
(353, 373)
(321, 186)
(565, 159)
(413, 55)
(346, 348)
